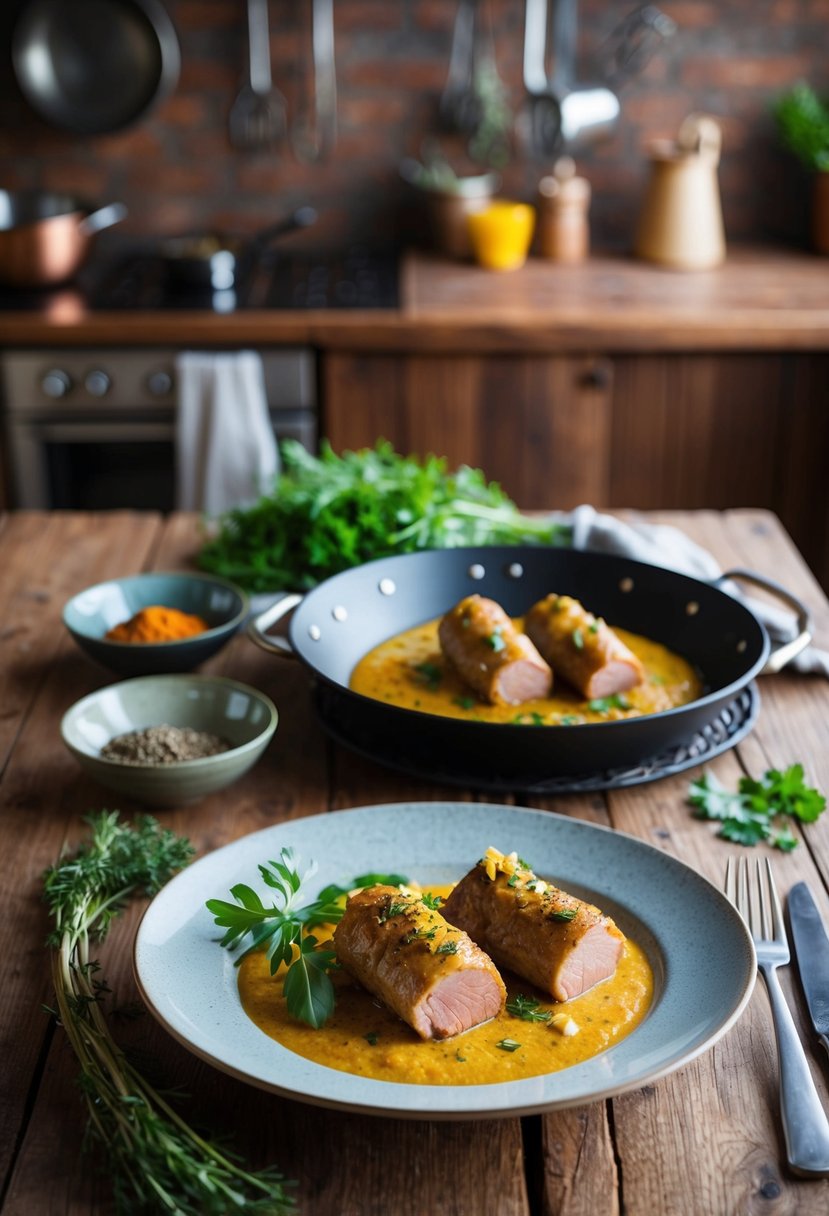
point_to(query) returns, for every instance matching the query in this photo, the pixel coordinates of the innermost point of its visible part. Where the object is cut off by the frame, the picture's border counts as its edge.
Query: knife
(812, 950)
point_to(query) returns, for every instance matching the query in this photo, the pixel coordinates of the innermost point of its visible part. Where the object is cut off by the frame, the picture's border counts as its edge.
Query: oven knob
(97, 383)
(56, 383)
(160, 383)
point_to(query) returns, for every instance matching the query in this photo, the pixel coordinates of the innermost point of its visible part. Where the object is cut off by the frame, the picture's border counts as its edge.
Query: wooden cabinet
(653, 431)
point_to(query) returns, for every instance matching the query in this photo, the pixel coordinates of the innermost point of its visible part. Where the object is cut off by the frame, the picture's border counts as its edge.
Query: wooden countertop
(705, 1139)
(759, 299)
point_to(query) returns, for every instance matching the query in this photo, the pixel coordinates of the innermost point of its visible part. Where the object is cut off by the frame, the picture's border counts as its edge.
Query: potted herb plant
(803, 123)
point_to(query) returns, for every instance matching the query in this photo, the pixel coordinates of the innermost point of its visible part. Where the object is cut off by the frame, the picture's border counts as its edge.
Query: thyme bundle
(158, 1162)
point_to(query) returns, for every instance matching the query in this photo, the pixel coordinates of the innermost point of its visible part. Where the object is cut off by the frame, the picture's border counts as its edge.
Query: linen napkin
(226, 453)
(663, 545)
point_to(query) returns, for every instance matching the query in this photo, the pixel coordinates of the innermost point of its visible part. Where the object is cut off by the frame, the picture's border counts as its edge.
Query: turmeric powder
(157, 624)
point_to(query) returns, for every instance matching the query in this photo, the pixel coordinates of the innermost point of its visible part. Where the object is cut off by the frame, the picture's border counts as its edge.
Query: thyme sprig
(158, 1163)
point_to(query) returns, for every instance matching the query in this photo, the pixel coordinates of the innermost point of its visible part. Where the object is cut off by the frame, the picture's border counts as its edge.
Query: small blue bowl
(91, 613)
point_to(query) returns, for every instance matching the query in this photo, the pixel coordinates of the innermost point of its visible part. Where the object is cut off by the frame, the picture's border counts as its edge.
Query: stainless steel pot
(95, 66)
(45, 238)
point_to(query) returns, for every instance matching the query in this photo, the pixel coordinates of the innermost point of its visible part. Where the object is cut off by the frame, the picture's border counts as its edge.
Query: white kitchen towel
(662, 545)
(226, 453)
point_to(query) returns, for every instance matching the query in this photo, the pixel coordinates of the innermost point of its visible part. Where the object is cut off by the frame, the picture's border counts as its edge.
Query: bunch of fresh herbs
(758, 810)
(157, 1162)
(803, 122)
(327, 513)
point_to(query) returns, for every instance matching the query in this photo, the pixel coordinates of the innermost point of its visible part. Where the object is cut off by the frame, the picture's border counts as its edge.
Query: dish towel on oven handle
(662, 545)
(226, 453)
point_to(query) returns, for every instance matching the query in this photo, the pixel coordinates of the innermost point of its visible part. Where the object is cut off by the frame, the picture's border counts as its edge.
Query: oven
(95, 429)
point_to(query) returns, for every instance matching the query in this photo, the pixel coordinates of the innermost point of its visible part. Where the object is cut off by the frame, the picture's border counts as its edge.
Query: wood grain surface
(703, 1141)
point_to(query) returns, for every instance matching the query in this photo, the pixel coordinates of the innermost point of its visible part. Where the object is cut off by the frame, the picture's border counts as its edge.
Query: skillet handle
(257, 626)
(786, 651)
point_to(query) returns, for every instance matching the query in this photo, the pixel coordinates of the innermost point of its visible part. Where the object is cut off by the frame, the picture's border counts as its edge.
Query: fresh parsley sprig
(757, 810)
(284, 927)
(156, 1161)
(528, 1009)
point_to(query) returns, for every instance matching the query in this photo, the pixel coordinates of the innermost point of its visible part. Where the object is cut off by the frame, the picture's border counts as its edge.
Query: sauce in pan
(409, 670)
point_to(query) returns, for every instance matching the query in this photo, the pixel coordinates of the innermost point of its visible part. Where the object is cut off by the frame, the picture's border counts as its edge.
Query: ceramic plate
(698, 947)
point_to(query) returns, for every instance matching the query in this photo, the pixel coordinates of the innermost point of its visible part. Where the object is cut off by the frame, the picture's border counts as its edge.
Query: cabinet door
(539, 425)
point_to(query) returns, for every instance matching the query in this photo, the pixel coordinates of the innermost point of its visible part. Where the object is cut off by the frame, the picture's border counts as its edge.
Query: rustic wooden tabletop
(704, 1140)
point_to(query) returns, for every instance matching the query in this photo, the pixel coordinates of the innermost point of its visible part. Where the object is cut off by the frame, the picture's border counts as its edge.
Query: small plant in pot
(803, 123)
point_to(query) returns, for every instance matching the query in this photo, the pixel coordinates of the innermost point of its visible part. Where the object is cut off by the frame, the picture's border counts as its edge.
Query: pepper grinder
(563, 206)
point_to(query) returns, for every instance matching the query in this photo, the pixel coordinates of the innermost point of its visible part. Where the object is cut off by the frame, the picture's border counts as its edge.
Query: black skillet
(336, 623)
(214, 262)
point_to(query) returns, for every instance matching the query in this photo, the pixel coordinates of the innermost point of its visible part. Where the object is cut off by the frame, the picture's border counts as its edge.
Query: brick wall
(177, 171)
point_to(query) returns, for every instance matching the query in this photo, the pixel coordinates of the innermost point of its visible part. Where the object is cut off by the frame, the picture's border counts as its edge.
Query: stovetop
(358, 278)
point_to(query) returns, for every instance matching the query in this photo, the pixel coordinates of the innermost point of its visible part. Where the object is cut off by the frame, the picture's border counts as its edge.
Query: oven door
(89, 465)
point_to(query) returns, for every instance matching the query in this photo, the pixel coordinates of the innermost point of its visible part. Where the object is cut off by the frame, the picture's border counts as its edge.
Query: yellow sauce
(410, 670)
(365, 1038)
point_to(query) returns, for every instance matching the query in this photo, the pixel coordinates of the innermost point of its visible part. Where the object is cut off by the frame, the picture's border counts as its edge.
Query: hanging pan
(95, 66)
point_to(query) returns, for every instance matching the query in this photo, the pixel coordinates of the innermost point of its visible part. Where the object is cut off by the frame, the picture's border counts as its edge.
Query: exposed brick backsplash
(177, 171)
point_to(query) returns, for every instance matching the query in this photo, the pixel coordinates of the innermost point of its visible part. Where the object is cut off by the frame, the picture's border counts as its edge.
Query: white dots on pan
(339, 613)
(387, 586)
(314, 633)
(477, 571)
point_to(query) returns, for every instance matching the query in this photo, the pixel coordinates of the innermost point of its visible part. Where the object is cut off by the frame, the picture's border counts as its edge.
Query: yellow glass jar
(501, 234)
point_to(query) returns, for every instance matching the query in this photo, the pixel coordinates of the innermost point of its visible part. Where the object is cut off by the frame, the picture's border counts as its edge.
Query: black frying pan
(215, 262)
(94, 66)
(336, 623)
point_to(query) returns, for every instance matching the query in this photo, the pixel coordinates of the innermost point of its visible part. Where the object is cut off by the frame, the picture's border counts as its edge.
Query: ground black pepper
(163, 745)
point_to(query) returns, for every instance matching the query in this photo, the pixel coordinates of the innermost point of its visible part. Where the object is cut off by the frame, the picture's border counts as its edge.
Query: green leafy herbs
(508, 1045)
(600, 705)
(284, 930)
(327, 513)
(803, 124)
(578, 639)
(564, 914)
(495, 640)
(429, 674)
(528, 1009)
(758, 810)
(156, 1161)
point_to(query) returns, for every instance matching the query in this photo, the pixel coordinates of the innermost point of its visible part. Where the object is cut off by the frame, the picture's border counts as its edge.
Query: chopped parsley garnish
(513, 880)
(564, 914)
(430, 675)
(449, 946)
(569, 720)
(461, 1059)
(533, 718)
(508, 1045)
(371, 1038)
(393, 908)
(528, 1009)
(432, 901)
(600, 705)
(495, 641)
(756, 811)
(594, 626)
(578, 639)
(464, 702)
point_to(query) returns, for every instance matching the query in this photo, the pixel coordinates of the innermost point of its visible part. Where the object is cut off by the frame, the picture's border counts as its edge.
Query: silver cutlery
(811, 947)
(805, 1126)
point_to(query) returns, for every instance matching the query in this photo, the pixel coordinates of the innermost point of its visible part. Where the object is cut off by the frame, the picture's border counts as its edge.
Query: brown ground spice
(163, 745)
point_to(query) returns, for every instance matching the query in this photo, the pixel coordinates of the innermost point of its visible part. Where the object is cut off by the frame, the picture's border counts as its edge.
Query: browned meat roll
(557, 942)
(582, 648)
(427, 971)
(490, 655)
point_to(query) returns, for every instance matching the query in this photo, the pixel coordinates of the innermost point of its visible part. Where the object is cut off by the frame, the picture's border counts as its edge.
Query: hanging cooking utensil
(45, 238)
(316, 129)
(634, 42)
(474, 100)
(258, 116)
(95, 66)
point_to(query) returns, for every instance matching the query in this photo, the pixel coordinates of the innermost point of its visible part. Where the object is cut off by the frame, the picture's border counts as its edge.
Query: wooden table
(705, 1140)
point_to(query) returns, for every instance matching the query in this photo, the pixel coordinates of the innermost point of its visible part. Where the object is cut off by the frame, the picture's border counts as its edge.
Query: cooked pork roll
(490, 655)
(427, 971)
(581, 648)
(557, 942)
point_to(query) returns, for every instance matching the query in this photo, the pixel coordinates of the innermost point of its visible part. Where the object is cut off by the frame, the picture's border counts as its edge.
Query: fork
(805, 1126)
(258, 116)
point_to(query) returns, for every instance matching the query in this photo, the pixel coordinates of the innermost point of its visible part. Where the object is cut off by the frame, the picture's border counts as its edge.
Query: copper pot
(45, 238)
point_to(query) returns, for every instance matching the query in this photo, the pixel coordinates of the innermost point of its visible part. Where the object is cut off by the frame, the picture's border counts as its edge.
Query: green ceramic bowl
(92, 612)
(243, 716)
